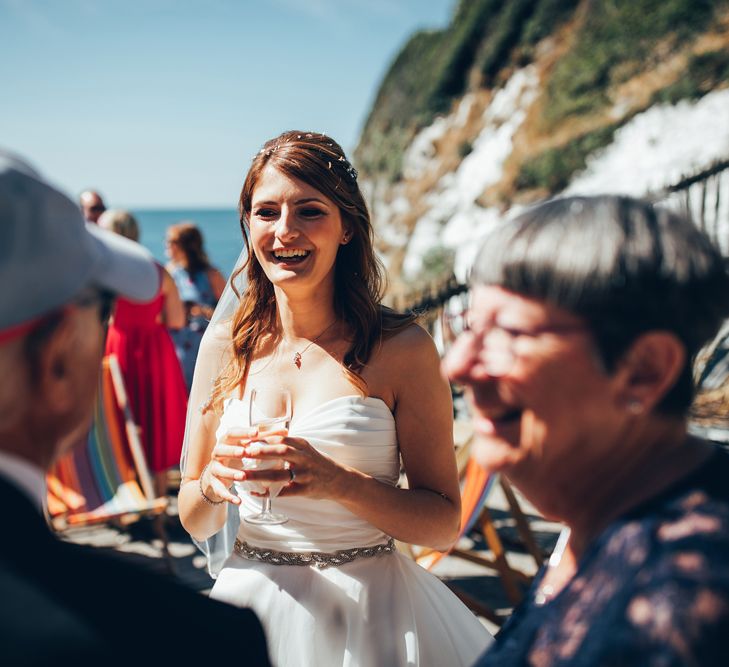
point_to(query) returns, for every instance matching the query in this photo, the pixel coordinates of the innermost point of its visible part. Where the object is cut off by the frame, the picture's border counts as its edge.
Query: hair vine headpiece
(351, 171)
(341, 160)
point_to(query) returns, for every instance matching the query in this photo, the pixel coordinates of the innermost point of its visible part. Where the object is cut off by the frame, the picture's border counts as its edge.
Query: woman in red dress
(139, 338)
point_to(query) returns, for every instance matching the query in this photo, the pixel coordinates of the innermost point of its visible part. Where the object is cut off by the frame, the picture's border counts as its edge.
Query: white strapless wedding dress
(381, 611)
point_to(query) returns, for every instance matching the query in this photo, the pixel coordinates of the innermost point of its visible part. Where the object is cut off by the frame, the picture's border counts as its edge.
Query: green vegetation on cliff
(704, 73)
(619, 39)
(613, 40)
(553, 169)
(435, 67)
(399, 105)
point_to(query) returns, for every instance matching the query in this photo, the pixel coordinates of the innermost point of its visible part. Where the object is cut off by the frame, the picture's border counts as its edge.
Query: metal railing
(703, 196)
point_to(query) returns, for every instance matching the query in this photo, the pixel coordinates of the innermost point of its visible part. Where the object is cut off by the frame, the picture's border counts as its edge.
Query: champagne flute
(270, 410)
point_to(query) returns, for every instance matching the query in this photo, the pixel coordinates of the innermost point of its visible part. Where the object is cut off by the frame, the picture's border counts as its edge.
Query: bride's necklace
(298, 355)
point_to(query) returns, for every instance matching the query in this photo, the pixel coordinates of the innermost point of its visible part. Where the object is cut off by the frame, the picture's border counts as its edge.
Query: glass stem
(266, 509)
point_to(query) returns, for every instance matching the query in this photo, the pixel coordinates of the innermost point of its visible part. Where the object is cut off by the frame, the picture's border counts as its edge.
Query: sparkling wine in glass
(269, 410)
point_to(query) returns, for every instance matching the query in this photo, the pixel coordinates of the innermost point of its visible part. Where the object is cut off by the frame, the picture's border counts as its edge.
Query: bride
(366, 392)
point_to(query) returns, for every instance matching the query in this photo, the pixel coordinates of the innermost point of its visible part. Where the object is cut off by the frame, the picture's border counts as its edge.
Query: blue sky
(163, 102)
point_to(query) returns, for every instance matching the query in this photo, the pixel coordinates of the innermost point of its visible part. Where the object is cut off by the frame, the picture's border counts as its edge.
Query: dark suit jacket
(65, 604)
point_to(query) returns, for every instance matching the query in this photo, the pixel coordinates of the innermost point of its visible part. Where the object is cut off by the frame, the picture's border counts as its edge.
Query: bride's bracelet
(202, 493)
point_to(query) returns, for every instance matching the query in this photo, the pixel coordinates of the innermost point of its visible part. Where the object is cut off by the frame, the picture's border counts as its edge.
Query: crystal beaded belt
(318, 559)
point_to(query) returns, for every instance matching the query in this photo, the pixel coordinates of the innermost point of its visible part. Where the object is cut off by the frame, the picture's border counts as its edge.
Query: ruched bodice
(356, 431)
(370, 612)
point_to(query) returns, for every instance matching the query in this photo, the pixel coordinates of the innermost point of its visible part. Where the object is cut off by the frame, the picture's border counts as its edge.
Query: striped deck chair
(106, 477)
(476, 484)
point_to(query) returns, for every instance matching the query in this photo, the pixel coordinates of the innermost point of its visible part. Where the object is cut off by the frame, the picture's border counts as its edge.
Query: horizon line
(176, 207)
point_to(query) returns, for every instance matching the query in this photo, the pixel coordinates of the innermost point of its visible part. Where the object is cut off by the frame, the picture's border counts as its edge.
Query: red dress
(153, 378)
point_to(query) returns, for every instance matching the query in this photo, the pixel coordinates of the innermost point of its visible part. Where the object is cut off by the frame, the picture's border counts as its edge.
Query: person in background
(92, 205)
(138, 336)
(585, 318)
(64, 603)
(200, 286)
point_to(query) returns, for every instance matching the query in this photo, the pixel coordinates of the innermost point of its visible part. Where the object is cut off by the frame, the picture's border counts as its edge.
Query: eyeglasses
(106, 301)
(499, 344)
(96, 208)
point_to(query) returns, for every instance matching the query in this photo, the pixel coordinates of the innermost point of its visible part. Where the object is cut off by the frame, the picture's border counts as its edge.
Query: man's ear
(649, 369)
(55, 368)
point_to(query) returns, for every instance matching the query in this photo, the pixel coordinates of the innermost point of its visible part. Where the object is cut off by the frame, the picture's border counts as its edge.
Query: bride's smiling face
(295, 230)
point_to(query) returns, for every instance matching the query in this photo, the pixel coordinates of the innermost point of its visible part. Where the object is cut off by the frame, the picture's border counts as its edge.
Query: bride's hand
(226, 465)
(315, 475)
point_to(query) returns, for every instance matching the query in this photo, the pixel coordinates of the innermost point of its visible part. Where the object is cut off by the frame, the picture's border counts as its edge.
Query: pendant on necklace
(298, 355)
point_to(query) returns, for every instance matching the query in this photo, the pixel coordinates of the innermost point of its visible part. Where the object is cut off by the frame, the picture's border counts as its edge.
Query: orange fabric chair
(476, 484)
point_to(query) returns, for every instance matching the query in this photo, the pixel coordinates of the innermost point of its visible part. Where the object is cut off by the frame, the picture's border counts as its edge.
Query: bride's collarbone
(280, 363)
(319, 379)
(313, 373)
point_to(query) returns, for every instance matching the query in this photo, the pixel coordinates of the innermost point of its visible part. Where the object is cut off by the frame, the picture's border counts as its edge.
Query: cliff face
(517, 100)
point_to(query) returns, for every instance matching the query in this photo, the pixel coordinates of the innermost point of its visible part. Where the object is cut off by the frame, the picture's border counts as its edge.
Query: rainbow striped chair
(106, 478)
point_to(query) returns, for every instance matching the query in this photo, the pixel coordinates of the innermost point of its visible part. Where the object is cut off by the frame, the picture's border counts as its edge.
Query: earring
(345, 238)
(635, 407)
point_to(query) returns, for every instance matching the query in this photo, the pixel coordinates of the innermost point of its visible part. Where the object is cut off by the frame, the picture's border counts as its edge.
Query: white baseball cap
(48, 254)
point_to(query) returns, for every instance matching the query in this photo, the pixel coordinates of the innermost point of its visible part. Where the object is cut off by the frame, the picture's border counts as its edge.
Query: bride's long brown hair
(359, 284)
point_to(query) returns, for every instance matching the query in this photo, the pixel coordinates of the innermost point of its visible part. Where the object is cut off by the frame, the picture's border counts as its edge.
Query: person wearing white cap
(59, 277)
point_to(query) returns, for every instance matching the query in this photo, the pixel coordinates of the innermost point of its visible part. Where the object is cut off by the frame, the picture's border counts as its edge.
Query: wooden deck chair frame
(476, 485)
(148, 504)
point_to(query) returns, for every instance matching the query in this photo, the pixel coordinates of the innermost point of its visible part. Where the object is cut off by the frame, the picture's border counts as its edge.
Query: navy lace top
(653, 589)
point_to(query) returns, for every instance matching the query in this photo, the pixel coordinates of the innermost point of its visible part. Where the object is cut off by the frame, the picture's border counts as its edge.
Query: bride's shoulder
(222, 330)
(409, 344)
(407, 358)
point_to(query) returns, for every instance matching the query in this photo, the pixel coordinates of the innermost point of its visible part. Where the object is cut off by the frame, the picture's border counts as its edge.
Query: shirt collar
(28, 477)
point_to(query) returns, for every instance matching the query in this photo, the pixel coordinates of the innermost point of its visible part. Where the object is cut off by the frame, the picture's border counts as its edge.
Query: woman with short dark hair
(586, 316)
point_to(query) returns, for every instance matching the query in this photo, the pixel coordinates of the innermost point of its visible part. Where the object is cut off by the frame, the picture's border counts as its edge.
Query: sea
(220, 228)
